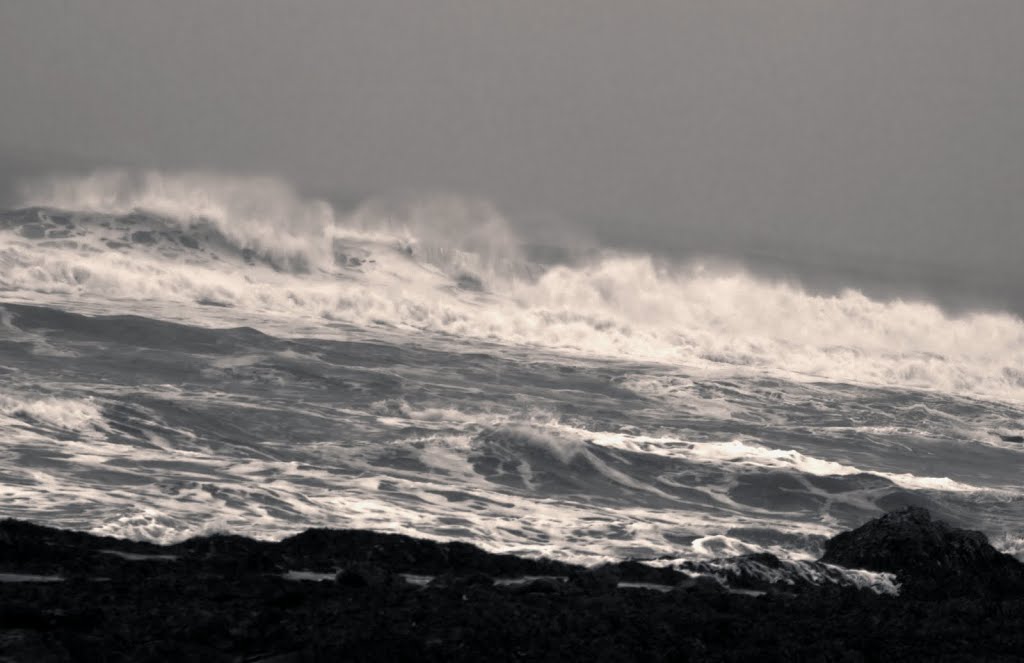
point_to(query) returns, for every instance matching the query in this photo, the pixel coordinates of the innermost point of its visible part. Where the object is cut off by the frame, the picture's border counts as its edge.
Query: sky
(866, 139)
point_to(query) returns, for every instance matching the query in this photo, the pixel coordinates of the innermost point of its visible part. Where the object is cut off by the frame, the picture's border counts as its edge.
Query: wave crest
(265, 215)
(452, 265)
(262, 214)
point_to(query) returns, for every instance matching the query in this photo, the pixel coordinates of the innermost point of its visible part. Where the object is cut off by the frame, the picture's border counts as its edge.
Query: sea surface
(181, 354)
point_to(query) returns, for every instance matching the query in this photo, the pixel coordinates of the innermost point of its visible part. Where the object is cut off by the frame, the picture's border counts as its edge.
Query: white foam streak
(740, 453)
(790, 572)
(148, 524)
(1011, 543)
(67, 413)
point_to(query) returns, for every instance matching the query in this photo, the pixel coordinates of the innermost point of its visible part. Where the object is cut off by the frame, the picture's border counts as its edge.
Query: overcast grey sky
(888, 133)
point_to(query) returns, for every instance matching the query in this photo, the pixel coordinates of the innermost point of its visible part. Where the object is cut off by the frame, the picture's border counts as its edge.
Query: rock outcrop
(365, 596)
(930, 558)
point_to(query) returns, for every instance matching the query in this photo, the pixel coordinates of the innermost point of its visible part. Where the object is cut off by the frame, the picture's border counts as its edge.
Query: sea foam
(445, 265)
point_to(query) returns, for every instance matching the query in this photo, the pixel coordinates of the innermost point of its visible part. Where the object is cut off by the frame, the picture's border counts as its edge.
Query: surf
(185, 244)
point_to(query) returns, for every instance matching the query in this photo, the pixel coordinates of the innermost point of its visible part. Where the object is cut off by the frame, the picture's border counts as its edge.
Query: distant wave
(254, 248)
(265, 216)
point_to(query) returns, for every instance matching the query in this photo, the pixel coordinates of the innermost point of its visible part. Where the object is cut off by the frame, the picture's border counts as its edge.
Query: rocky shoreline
(365, 596)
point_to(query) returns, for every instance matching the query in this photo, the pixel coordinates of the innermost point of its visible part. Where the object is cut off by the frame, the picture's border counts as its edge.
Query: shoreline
(361, 595)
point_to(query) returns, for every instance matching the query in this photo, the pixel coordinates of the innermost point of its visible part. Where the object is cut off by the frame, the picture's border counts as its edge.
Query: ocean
(183, 354)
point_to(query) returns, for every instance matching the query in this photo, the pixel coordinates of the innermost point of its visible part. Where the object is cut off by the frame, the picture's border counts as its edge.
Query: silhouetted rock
(541, 586)
(930, 558)
(228, 598)
(631, 571)
(591, 580)
(362, 575)
(321, 548)
(462, 581)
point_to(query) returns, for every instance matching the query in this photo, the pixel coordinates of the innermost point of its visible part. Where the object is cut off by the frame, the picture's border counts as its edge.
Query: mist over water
(231, 355)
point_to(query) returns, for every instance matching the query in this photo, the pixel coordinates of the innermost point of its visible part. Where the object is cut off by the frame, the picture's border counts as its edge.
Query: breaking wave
(64, 413)
(453, 266)
(756, 569)
(739, 453)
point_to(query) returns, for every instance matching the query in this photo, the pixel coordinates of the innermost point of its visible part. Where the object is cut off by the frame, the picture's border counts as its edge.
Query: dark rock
(362, 575)
(594, 580)
(404, 554)
(766, 559)
(1012, 438)
(703, 585)
(225, 598)
(632, 571)
(462, 581)
(930, 558)
(541, 586)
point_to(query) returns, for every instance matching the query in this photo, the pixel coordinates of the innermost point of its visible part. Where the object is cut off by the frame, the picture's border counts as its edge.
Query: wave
(453, 266)
(746, 454)
(148, 524)
(1011, 543)
(69, 414)
(265, 216)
